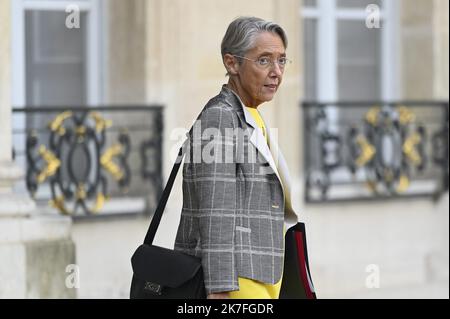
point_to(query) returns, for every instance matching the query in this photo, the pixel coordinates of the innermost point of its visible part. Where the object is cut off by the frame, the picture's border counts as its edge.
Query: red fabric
(302, 264)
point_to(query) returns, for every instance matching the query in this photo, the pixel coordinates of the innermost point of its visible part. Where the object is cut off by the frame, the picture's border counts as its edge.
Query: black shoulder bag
(161, 273)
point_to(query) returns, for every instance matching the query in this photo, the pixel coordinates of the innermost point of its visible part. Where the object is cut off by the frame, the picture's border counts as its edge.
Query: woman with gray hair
(235, 211)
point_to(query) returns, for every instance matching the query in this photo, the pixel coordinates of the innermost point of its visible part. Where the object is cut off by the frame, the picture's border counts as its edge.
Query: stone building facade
(143, 52)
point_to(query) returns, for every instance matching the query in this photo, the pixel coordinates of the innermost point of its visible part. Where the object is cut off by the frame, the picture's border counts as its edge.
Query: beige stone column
(10, 204)
(35, 248)
(4, 79)
(416, 32)
(437, 261)
(441, 55)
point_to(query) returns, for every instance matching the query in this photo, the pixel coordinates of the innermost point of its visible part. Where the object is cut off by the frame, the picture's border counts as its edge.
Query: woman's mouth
(271, 87)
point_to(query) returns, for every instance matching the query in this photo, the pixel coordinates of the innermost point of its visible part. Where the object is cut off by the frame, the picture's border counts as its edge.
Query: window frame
(94, 46)
(327, 15)
(95, 66)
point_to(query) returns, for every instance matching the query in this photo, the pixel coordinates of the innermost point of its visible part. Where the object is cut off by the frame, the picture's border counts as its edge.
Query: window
(344, 60)
(55, 64)
(52, 64)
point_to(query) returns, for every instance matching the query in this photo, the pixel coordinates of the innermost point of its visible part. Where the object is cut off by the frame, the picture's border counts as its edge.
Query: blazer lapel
(291, 216)
(259, 141)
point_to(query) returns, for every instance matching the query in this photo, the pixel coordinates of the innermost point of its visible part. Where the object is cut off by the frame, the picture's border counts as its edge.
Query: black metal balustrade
(375, 150)
(79, 159)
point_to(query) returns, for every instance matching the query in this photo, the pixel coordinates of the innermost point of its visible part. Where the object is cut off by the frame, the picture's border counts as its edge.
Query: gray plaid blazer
(234, 210)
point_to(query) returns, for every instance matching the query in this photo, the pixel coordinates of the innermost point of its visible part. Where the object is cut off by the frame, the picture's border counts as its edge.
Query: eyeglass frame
(272, 62)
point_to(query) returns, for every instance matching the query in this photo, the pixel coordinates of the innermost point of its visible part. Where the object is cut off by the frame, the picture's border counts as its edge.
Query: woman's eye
(264, 61)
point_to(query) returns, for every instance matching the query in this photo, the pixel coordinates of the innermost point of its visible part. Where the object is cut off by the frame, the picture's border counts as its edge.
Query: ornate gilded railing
(79, 160)
(375, 150)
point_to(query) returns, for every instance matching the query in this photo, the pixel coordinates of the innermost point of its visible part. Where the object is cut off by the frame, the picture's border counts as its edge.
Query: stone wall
(417, 49)
(168, 52)
(126, 51)
(440, 47)
(5, 86)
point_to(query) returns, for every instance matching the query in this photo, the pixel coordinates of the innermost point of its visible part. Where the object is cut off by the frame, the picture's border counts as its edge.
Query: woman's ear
(231, 64)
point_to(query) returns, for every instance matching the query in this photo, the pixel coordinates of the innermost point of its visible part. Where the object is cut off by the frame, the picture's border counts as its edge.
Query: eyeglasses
(264, 62)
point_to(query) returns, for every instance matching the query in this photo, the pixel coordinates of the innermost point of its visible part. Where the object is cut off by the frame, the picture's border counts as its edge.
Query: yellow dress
(249, 288)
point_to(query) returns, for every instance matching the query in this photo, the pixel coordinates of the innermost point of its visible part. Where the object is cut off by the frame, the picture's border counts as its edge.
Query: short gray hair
(241, 34)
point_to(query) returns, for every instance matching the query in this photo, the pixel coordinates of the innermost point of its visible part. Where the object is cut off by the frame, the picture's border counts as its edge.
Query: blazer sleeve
(214, 179)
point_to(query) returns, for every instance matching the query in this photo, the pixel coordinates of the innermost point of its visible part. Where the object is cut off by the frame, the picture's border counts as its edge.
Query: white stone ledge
(14, 205)
(38, 227)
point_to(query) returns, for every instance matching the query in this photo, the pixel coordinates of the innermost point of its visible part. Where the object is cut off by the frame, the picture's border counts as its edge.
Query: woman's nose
(275, 69)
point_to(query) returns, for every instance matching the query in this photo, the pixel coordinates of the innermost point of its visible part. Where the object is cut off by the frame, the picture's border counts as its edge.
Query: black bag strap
(151, 232)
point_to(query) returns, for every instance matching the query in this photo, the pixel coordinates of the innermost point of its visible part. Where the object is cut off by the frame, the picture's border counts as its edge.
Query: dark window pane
(359, 61)
(310, 59)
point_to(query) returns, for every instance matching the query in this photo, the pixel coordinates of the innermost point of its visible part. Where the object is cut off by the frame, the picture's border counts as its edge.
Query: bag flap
(164, 266)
